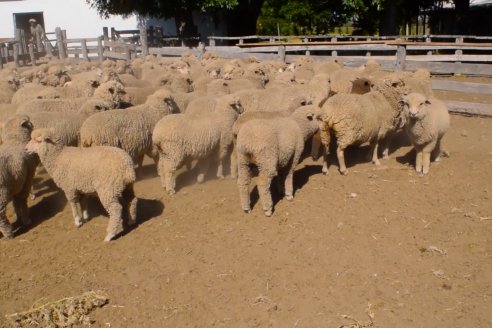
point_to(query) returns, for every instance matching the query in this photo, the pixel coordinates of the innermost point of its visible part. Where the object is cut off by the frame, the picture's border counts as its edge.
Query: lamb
(427, 120)
(275, 147)
(197, 134)
(354, 119)
(31, 91)
(129, 129)
(107, 171)
(17, 171)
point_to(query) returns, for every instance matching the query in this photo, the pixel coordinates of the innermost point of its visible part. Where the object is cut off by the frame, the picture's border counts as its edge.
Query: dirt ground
(381, 247)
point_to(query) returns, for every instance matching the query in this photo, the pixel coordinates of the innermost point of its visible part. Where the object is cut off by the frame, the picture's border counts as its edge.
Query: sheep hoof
(289, 197)
(344, 172)
(32, 196)
(171, 192)
(200, 178)
(8, 235)
(268, 213)
(247, 210)
(78, 222)
(109, 237)
(220, 177)
(325, 171)
(376, 162)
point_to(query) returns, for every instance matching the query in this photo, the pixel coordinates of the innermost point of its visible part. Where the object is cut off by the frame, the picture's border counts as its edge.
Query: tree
(245, 11)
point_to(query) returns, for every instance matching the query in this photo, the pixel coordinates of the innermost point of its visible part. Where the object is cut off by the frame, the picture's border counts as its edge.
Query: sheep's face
(40, 140)
(415, 106)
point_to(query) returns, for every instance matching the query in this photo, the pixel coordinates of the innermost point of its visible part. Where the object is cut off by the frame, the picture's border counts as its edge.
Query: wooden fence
(440, 54)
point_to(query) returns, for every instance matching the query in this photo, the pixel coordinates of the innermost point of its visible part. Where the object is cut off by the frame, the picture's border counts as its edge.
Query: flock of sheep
(90, 125)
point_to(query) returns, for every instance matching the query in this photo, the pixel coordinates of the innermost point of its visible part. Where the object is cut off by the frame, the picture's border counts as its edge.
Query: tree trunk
(462, 8)
(390, 19)
(185, 27)
(242, 19)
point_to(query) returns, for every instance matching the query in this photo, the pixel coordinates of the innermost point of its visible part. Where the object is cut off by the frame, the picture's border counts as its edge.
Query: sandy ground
(381, 247)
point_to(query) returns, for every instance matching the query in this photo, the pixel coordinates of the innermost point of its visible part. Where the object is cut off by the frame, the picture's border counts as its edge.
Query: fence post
(100, 49)
(31, 54)
(59, 42)
(1, 55)
(113, 34)
(143, 41)
(334, 53)
(151, 37)
(281, 53)
(105, 33)
(83, 45)
(15, 47)
(211, 42)
(401, 54)
(47, 47)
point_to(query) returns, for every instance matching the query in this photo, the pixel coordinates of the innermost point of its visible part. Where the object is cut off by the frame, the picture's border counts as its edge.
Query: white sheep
(129, 129)
(79, 172)
(354, 119)
(201, 133)
(111, 92)
(427, 120)
(275, 146)
(17, 171)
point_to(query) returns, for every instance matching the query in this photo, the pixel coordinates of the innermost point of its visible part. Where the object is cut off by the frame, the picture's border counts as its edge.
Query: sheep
(427, 120)
(107, 171)
(129, 129)
(31, 91)
(199, 134)
(354, 119)
(275, 147)
(111, 92)
(17, 171)
(8, 87)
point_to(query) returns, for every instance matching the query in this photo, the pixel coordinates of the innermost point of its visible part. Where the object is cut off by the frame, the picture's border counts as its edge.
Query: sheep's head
(40, 139)
(414, 105)
(17, 128)
(234, 103)
(112, 92)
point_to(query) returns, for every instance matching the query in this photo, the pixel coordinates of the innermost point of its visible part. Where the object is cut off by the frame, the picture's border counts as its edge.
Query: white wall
(74, 16)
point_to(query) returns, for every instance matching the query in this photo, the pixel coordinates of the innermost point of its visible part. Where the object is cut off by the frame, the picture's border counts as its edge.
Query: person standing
(37, 34)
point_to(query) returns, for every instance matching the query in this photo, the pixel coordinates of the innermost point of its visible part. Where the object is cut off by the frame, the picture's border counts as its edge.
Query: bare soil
(381, 247)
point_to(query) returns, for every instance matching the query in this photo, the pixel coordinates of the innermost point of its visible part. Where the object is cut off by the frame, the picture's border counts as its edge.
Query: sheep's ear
(26, 123)
(402, 104)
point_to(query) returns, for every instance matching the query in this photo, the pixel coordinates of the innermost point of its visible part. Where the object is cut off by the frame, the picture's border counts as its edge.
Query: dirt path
(381, 245)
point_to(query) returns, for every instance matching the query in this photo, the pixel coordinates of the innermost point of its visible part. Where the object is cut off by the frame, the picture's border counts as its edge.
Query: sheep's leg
(115, 224)
(5, 226)
(243, 182)
(161, 171)
(75, 204)
(203, 166)
(436, 153)
(169, 173)
(84, 207)
(341, 161)
(426, 156)
(326, 166)
(418, 161)
(289, 185)
(374, 152)
(315, 146)
(21, 210)
(234, 162)
(131, 202)
(386, 144)
(263, 186)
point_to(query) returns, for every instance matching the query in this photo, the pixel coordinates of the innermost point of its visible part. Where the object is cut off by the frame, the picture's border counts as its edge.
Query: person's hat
(32, 20)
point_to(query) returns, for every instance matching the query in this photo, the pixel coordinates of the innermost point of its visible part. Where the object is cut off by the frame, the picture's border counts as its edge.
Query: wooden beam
(469, 108)
(465, 87)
